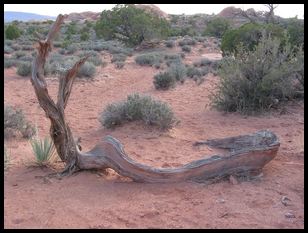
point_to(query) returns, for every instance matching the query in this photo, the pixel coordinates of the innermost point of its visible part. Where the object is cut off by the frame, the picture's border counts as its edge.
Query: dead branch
(248, 153)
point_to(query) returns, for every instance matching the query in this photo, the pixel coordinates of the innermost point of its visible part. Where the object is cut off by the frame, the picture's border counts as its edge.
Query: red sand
(97, 200)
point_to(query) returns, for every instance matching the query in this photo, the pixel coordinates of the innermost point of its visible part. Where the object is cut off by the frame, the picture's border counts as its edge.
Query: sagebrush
(138, 107)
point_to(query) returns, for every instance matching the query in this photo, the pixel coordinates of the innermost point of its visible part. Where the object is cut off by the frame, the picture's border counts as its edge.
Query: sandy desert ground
(99, 200)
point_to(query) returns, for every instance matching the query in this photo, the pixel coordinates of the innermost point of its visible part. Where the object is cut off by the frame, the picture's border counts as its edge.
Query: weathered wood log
(247, 153)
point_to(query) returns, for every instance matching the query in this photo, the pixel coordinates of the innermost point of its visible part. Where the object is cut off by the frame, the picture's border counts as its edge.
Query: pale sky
(283, 10)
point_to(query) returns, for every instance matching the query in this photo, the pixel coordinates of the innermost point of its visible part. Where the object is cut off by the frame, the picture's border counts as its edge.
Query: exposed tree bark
(247, 152)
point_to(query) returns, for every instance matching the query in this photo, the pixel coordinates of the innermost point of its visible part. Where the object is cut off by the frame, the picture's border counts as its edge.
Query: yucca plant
(43, 150)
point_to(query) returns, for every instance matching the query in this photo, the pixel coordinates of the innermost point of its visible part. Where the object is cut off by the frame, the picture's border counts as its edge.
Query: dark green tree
(12, 32)
(217, 27)
(130, 25)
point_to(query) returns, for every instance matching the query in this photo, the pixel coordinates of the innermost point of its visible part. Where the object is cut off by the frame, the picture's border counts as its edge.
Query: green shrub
(14, 120)
(84, 36)
(217, 27)
(164, 81)
(6, 158)
(16, 47)
(12, 32)
(249, 35)
(255, 81)
(19, 54)
(295, 29)
(172, 58)
(187, 41)
(178, 71)
(186, 48)
(8, 62)
(118, 58)
(170, 43)
(72, 48)
(86, 70)
(192, 72)
(138, 107)
(8, 49)
(43, 150)
(149, 59)
(24, 68)
(94, 57)
(203, 62)
(119, 64)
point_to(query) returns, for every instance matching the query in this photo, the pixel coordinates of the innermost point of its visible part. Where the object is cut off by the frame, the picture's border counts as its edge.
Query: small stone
(285, 200)
(221, 200)
(15, 184)
(289, 215)
(233, 180)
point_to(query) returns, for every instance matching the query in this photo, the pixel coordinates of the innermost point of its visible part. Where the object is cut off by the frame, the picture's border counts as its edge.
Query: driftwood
(247, 153)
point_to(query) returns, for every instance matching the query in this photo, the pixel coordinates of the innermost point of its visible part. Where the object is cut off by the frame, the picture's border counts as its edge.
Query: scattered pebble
(221, 200)
(233, 180)
(289, 215)
(285, 200)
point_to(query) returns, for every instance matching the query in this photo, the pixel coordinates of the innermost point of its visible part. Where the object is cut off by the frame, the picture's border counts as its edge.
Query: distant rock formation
(153, 9)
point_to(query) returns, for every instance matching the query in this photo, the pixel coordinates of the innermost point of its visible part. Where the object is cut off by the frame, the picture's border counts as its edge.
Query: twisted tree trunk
(248, 152)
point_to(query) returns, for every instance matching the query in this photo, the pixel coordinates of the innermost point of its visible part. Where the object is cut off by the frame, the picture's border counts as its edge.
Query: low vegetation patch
(24, 68)
(138, 107)
(15, 121)
(164, 81)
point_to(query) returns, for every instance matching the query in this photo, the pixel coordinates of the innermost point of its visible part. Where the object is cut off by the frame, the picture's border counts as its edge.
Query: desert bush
(118, 58)
(119, 64)
(149, 59)
(139, 25)
(9, 62)
(19, 54)
(86, 70)
(138, 107)
(8, 49)
(43, 150)
(84, 36)
(217, 27)
(200, 39)
(255, 81)
(202, 62)
(27, 47)
(171, 58)
(192, 72)
(72, 48)
(295, 29)
(94, 57)
(186, 48)
(16, 47)
(6, 158)
(15, 120)
(178, 71)
(187, 41)
(24, 68)
(12, 32)
(57, 44)
(164, 81)
(170, 43)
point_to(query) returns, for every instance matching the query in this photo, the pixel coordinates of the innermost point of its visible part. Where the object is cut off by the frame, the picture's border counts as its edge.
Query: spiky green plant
(43, 150)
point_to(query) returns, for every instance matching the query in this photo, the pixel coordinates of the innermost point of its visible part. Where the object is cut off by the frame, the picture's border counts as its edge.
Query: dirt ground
(98, 200)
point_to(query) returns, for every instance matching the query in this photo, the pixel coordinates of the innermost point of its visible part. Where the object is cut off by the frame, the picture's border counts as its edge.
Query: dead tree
(269, 15)
(247, 152)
